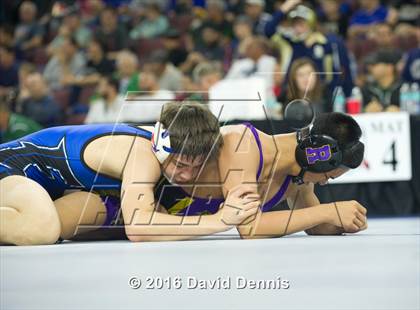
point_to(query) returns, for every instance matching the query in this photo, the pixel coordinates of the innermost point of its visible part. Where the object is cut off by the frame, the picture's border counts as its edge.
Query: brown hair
(194, 131)
(292, 88)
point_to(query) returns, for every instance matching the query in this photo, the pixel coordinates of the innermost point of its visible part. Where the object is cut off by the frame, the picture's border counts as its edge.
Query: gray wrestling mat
(377, 269)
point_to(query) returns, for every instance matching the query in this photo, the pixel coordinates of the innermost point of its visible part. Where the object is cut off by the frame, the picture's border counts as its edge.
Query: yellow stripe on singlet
(180, 205)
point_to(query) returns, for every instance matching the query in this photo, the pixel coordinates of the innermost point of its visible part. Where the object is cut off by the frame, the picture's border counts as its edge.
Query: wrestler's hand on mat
(242, 202)
(351, 216)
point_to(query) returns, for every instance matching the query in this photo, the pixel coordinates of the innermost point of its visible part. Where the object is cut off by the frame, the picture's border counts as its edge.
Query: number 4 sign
(393, 159)
(387, 149)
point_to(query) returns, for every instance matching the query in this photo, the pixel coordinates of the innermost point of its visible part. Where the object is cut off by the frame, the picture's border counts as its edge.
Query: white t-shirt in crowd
(101, 112)
(264, 68)
(145, 107)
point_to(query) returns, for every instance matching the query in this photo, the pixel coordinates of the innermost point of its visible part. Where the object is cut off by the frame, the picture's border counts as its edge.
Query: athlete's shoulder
(236, 129)
(234, 133)
(239, 139)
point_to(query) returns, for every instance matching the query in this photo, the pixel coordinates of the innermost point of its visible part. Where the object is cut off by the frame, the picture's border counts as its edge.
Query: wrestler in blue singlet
(53, 157)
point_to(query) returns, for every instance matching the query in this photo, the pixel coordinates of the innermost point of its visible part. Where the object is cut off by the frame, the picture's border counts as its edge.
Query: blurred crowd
(75, 62)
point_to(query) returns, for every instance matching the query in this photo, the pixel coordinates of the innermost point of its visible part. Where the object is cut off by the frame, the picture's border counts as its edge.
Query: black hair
(346, 131)
(111, 80)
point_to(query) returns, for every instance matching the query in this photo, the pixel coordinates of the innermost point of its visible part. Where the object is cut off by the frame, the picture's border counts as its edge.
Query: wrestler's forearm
(280, 223)
(164, 227)
(325, 229)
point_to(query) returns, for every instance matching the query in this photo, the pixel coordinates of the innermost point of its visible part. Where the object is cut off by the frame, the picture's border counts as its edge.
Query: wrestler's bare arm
(238, 164)
(349, 215)
(304, 197)
(142, 223)
(278, 223)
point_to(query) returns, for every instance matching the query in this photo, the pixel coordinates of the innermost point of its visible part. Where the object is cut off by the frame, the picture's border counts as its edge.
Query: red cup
(354, 106)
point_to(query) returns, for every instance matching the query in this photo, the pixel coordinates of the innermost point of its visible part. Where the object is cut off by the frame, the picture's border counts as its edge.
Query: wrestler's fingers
(243, 189)
(252, 205)
(362, 209)
(358, 222)
(365, 226)
(361, 217)
(250, 198)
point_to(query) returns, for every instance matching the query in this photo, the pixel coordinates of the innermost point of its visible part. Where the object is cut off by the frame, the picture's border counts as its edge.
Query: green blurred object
(18, 127)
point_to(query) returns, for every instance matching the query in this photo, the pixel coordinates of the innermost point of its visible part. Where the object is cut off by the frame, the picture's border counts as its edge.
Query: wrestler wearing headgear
(280, 167)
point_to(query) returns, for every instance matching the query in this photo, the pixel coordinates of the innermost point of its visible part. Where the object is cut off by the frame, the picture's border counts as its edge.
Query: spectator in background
(14, 126)
(216, 15)
(71, 27)
(216, 19)
(110, 32)
(205, 75)
(39, 105)
(169, 77)
(300, 38)
(97, 65)
(172, 42)
(79, 31)
(304, 83)
(257, 62)
(150, 85)
(107, 108)
(127, 72)
(382, 35)
(254, 9)
(63, 34)
(97, 62)
(146, 105)
(67, 65)
(371, 12)
(153, 25)
(28, 33)
(6, 35)
(242, 29)
(90, 11)
(25, 70)
(334, 17)
(211, 47)
(9, 68)
(257, 59)
(411, 66)
(382, 91)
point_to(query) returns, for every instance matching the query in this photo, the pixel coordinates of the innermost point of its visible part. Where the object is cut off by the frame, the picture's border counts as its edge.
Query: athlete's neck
(286, 144)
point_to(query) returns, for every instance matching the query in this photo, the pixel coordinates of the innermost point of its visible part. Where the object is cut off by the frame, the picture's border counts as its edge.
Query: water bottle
(339, 104)
(404, 96)
(414, 99)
